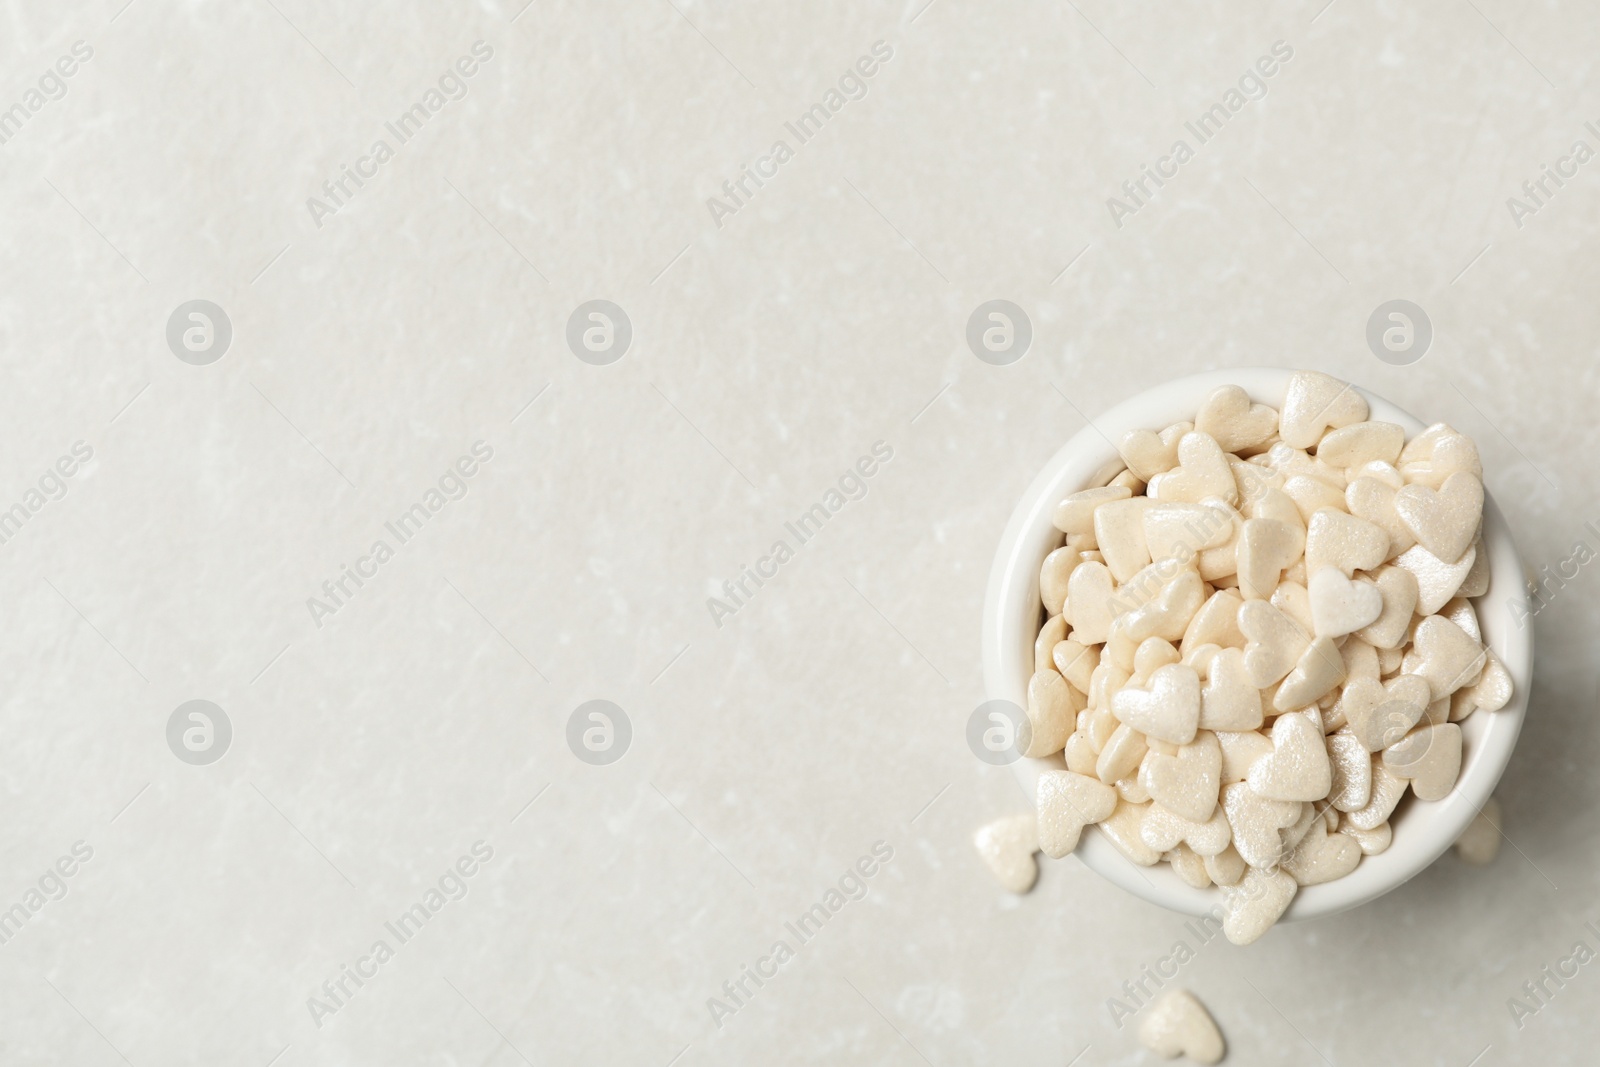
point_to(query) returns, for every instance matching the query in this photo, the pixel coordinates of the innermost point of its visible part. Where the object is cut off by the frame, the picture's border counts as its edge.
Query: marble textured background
(768, 353)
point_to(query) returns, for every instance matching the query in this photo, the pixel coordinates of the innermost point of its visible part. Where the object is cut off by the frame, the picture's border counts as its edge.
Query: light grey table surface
(377, 336)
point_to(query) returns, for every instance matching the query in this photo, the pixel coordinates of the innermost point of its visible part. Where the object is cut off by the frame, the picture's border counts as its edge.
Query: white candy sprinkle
(1177, 1024)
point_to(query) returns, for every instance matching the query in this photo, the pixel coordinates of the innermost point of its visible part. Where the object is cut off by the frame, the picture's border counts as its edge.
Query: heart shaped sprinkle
(1216, 623)
(1119, 530)
(1387, 789)
(1430, 757)
(1053, 578)
(1476, 583)
(1122, 829)
(1314, 713)
(1314, 402)
(1080, 753)
(1321, 856)
(1229, 700)
(1437, 581)
(1148, 454)
(1075, 514)
(1165, 830)
(1133, 791)
(1169, 709)
(1273, 643)
(1398, 588)
(1068, 802)
(1319, 670)
(1276, 504)
(1226, 867)
(1075, 662)
(1051, 633)
(1360, 660)
(1371, 841)
(1294, 600)
(1121, 755)
(1448, 656)
(1168, 614)
(1147, 584)
(1387, 473)
(1436, 453)
(1202, 472)
(1236, 423)
(1109, 676)
(1298, 767)
(1437, 713)
(1199, 657)
(1179, 1025)
(1373, 500)
(1101, 725)
(1379, 715)
(1186, 784)
(1222, 562)
(1311, 495)
(1120, 648)
(1152, 654)
(1240, 750)
(1302, 826)
(1340, 606)
(1444, 521)
(1361, 443)
(1352, 772)
(1256, 903)
(1290, 462)
(1089, 593)
(1179, 531)
(1187, 864)
(1266, 547)
(1007, 846)
(1491, 692)
(1053, 708)
(1257, 823)
(1336, 539)
(1129, 481)
(1254, 477)
(1460, 611)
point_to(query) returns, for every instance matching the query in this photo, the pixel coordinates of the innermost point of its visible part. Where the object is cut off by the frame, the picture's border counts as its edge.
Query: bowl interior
(1422, 830)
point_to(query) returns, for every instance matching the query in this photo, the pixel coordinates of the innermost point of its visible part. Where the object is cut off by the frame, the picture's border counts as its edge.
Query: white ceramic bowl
(1012, 615)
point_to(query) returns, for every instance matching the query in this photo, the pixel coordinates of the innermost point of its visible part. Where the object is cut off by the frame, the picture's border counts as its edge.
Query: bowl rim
(1423, 830)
